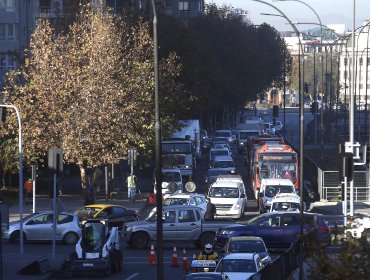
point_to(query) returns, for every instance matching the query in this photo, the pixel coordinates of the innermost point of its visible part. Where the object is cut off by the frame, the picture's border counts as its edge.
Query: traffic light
(3, 114)
(305, 87)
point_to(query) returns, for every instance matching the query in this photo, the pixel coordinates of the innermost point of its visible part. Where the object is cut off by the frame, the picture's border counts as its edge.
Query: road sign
(55, 160)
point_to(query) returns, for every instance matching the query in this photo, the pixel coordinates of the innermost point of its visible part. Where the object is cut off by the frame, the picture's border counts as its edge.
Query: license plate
(88, 264)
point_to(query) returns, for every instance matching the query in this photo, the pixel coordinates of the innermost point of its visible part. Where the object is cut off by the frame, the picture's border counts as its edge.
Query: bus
(274, 160)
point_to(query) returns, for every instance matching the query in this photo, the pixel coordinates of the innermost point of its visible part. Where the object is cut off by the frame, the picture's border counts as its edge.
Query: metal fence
(331, 186)
(284, 265)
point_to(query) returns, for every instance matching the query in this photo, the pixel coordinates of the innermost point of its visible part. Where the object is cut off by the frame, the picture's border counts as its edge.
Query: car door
(64, 225)
(40, 227)
(270, 231)
(290, 225)
(187, 225)
(169, 225)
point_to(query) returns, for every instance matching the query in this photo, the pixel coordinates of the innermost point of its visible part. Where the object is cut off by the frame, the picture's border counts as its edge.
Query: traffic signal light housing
(3, 114)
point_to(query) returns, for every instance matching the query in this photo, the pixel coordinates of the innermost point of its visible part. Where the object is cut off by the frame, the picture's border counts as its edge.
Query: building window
(183, 6)
(7, 61)
(368, 61)
(345, 61)
(7, 31)
(8, 5)
(360, 61)
(361, 86)
(368, 86)
(345, 74)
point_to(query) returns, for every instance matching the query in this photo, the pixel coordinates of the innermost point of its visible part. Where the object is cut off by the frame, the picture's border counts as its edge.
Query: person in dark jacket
(210, 211)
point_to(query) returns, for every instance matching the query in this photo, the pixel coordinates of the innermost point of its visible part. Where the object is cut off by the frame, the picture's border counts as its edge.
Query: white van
(285, 202)
(229, 198)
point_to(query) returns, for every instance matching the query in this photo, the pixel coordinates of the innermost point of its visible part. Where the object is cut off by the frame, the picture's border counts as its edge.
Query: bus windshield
(277, 169)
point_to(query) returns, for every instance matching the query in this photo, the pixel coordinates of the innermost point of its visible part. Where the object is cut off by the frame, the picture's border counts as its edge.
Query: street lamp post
(158, 162)
(301, 126)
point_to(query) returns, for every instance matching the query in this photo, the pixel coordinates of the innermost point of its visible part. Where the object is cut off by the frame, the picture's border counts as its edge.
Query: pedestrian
(28, 186)
(131, 187)
(210, 210)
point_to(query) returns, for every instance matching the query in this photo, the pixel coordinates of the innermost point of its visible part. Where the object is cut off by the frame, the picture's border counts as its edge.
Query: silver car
(39, 227)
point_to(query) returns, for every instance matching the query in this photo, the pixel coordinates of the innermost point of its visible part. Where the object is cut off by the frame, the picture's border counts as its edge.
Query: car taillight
(325, 229)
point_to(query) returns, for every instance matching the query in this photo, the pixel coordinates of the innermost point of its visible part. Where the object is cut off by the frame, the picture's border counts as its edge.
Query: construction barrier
(152, 255)
(174, 262)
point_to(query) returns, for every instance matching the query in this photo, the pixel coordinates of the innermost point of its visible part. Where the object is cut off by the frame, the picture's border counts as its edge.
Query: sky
(329, 11)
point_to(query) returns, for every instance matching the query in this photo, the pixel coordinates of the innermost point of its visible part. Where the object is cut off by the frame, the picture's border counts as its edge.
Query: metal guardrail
(331, 186)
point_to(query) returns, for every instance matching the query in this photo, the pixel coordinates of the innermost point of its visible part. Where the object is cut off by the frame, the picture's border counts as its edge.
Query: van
(270, 188)
(288, 202)
(229, 198)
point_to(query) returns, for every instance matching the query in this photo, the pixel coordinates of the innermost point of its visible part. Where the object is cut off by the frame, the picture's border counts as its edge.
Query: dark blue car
(277, 229)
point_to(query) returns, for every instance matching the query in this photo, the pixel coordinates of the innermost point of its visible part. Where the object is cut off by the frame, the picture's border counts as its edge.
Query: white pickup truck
(181, 223)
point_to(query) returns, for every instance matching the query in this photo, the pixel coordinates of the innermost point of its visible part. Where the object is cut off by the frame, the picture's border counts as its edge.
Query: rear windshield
(223, 164)
(285, 206)
(246, 246)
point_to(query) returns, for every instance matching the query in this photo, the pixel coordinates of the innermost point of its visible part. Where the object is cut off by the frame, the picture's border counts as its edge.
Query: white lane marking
(132, 276)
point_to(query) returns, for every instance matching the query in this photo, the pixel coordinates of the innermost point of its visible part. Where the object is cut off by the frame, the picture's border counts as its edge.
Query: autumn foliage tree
(90, 90)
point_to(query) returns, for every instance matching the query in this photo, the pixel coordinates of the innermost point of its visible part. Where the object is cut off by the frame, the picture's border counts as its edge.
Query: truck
(182, 149)
(181, 223)
(251, 127)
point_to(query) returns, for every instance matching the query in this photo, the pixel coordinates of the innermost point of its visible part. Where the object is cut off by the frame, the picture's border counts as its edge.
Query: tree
(90, 90)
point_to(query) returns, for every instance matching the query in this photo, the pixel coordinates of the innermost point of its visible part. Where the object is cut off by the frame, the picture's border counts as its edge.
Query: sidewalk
(13, 261)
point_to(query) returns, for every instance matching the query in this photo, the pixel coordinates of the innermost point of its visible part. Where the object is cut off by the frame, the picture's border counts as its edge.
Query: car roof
(278, 181)
(184, 195)
(224, 183)
(245, 238)
(218, 148)
(223, 158)
(286, 197)
(103, 205)
(240, 256)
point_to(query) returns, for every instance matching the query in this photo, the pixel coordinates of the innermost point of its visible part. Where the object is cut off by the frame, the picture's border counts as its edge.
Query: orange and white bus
(274, 160)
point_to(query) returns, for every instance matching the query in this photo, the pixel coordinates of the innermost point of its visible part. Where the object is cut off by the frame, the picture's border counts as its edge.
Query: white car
(240, 266)
(180, 198)
(289, 202)
(171, 175)
(38, 227)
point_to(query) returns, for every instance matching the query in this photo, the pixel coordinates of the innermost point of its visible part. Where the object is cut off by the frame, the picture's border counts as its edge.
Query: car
(224, 162)
(38, 227)
(224, 133)
(240, 265)
(116, 215)
(286, 202)
(181, 198)
(218, 152)
(212, 175)
(270, 188)
(247, 244)
(170, 175)
(278, 229)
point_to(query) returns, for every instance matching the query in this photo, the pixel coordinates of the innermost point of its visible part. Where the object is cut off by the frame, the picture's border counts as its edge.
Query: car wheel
(139, 240)
(70, 238)
(207, 238)
(15, 237)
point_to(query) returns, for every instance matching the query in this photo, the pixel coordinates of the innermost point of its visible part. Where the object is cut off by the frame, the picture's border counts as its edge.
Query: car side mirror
(242, 195)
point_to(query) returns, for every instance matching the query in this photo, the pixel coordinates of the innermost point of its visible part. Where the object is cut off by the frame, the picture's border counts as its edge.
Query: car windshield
(87, 212)
(175, 201)
(238, 265)
(285, 206)
(171, 177)
(219, 153)
(223, 164)
(224, 192)
(246, 246)
(222, 134)
(273, 190)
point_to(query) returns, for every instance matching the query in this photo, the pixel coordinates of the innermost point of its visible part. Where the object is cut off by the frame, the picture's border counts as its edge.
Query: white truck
(182, 149)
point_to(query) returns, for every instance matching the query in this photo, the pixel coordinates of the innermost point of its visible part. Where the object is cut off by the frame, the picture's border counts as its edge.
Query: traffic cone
(193, 269)
(152, 255)
(184, 260)
(174, 258)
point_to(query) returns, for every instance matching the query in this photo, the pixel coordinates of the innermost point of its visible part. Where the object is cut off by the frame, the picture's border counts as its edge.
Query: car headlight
(232, 171)
(237, 206)
(128, 228)
(241, 143)
(268, 203)
(226, 232)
